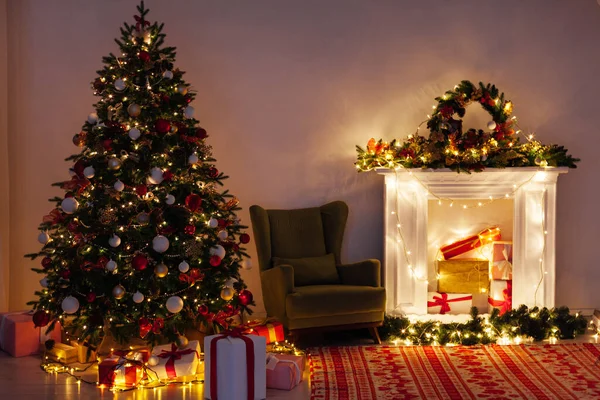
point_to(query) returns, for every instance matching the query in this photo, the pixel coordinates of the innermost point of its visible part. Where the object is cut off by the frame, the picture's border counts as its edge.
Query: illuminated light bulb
(451, 204)
(393, 212)
(506, 195)
(440, 202)
(464, 206)
(408, 252)
(479, 204)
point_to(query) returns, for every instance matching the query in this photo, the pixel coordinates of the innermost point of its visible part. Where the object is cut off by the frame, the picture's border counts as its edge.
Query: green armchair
(304, 283)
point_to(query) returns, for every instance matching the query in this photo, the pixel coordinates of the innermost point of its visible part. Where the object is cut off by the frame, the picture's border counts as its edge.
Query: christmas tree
(144, 242)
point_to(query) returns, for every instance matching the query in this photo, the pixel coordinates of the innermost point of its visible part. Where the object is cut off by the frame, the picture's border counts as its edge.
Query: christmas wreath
(448, 146)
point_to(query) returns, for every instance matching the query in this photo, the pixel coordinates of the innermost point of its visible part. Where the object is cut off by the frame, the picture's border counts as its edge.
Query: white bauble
(92, 118)
(153, 361)
(184, 267)
(168, 74)
(223, 234)
(114, 241)
(156, 176)
(134, 133)
(246, 264)
(111, 266)
(70, 305)
(230, 282)
(119, 186)
(218, 250)
(170, 199)
(174, 304)
(89, 172)
(44, 282)
(69, 205)
(491, 125)
(213, 222)
(188, 112)
(138, 297)
(120, 84)
(43, 238)
(193, 159)
(160, 244)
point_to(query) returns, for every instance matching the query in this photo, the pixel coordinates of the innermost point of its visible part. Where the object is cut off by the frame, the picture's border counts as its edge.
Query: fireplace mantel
(407, 192)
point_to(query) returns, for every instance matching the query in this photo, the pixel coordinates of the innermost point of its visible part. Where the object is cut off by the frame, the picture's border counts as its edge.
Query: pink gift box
(19, 337)
(284, 371)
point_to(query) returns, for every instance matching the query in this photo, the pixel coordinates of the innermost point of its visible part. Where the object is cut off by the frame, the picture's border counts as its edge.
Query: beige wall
(287, 88)
(4, 171)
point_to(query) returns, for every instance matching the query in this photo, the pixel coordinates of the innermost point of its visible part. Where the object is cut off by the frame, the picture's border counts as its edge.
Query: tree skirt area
(558, 371)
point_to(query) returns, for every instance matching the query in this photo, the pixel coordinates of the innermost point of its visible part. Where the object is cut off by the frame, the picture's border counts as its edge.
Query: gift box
(270, 330)
(175, 362)
(500, 296)
(470, 243)
(235, 366)
(106, 370)
(120, 370)
(463, 276)
(19, 337)
(60, 352)
(284, 371)
(128, 373)
(501, 264)
(85, 353)
(449, 303)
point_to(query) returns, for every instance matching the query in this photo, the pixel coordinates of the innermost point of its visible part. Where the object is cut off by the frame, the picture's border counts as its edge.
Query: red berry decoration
(193, 202)
(141, 190)
(144, 56)
(41, 318)
(162, 125)
(203, 309)
(139, 262)
(190, 229)
(222, 223)
(245, 297)
(244, 238)
(215, 261)
(90, 297)
(102, 261)
(46, 262)
(213, 172)
(201, 133)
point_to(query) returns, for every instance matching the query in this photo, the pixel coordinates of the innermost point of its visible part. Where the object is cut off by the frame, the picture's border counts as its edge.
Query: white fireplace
(408, 195)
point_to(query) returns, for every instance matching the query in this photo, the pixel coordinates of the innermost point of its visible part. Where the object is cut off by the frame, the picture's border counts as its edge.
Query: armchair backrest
(298, 233)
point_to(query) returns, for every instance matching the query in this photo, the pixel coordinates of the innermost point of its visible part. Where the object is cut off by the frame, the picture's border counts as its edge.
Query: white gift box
(449, 303)
(232, 374)
(186, 365)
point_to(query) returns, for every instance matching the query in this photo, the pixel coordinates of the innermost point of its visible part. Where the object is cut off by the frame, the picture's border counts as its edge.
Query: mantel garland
(472, 150)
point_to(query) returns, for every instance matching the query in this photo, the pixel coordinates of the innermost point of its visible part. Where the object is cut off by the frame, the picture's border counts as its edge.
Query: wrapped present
(106, 370)
(501, 261)
(449, 303)
(470, 243)
(235, 366)
(284, 371)
(500, 296)
(60, 352)
(19, 337)
(85, 352)
(176, 362)
(463, 276)
(269, 329)
(118, 370)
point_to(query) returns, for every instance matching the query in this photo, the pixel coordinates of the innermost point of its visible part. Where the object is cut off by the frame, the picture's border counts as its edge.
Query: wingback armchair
(304, 283)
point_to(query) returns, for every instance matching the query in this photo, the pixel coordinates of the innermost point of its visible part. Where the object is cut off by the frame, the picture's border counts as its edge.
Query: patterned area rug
(560, 371)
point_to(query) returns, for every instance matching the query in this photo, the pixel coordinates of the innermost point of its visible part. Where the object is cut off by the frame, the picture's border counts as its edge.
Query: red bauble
(41, 318)
(190, 229)
(193, 202)
(213, 172)
(141, 190)
(46, 262)
(201, 133)
(491, 102)
(78, 167)
(90, 297)
(139, 262)
(228, 309)
(162, 125)
(167, 175)
(65, 274)
(107, 144)
(144, 56)
(203, 309)
(244, 238)
(245, 297)
(215, 261)
(222, 223)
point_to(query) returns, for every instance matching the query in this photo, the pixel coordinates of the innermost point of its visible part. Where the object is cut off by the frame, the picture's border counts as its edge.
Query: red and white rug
(559, 371)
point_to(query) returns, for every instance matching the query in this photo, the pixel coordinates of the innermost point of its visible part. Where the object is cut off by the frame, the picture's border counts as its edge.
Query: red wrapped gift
(115, 370)
(502, 260)
(271, 330)
(470, 243)
(284, 371)
(500, 296)
(106, 370)
(19, 337)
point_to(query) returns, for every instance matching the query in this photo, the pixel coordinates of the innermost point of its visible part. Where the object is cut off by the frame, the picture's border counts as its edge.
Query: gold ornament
(227, 293)
(174, 129)
(79, 140)
(107, 216)
(182, 341)
(181, 89)
(114, 163)
(134, 110)
(161, 270)
(118, 292)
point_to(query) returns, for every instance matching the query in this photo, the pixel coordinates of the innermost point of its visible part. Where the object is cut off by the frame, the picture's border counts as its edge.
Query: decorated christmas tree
(144, 243)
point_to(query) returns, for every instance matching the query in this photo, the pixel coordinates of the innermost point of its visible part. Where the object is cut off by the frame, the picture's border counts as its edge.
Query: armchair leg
(375, 334)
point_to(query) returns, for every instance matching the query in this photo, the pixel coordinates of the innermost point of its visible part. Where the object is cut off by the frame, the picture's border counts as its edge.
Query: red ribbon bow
(139, 22)
(54, 217)
(174, 355)
(239, 334)
(443, 302)
(506, 303)
(75, 183)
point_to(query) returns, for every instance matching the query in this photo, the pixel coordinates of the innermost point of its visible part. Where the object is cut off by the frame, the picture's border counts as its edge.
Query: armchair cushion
(311, 270)
(296, 233)
(362, 273)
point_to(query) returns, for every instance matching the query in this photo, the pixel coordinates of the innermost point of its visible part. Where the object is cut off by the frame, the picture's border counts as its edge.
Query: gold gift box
(60, 352)
(463, 276)
(83, 355)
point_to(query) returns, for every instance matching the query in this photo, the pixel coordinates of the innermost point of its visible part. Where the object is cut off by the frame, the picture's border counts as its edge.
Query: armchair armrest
(277, 283)
(362, 273)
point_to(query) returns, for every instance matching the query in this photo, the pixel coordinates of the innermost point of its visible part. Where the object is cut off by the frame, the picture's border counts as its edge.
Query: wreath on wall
(449, 146)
